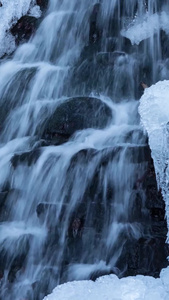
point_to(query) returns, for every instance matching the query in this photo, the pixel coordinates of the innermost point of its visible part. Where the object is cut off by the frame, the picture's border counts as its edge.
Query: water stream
(70, 209)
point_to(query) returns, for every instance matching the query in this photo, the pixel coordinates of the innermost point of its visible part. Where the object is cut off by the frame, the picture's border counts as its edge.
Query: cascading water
(68, 211)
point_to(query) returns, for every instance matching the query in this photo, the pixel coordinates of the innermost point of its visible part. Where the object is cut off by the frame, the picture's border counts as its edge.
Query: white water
(32, 84)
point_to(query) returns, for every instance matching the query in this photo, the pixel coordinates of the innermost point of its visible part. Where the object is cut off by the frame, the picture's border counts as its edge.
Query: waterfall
(70, 209)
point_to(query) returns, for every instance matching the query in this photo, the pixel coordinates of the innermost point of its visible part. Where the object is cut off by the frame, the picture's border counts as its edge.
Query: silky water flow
(69, 212)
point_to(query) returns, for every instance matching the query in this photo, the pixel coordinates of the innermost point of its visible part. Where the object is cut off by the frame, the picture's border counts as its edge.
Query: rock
(145, 256)
(43, 4)
(108, 58)
(12, 258)
(3, 196)
(95, 32)
(47, 212)
(164, 38)
(24, 28)
(76, 114)
(25, 158)
(135, 154)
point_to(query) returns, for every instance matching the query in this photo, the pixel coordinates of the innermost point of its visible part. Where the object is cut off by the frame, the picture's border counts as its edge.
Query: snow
(35, 11)
(10, 12)
(146, 26)
(112, 288)
(154, 112)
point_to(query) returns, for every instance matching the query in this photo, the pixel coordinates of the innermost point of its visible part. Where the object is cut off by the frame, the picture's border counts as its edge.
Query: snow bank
(146, 26)
(112, 288)
(10, 12)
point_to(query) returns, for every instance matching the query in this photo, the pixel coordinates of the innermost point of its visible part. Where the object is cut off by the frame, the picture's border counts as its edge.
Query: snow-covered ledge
(112, 288)
(154, 112)
(10, 12)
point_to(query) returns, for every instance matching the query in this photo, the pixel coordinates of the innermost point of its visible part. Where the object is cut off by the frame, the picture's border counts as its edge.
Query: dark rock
(150, 262)
(13, 257)
(25, 158)
(3, 196)
(157, 214)
(8, 103)
(43, 4)
(108, 58)
(135, 154)
(95, 32)
(164, 38)
(24, 28)
(76, 114)
(47, 212)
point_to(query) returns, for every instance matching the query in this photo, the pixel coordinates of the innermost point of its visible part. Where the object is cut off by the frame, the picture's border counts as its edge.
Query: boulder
(76, 114)
(24, 28)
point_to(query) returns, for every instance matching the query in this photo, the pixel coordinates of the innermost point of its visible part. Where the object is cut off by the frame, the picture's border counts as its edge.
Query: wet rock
(164, 38)
(148, 262)
(43, 4)
(24, 28)
(108, 58)
(95, 32)
(7, 199)
(47, 212)
(76, 114)
(3, 196)
(28, 158)
(13, 254)
(135, 208)
(111, 44)
(76, 227)
(135, 154)
(157, 214)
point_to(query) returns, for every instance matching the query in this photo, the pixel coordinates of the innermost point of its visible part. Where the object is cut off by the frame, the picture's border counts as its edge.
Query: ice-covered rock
(10, 12)
(154, 112)
(146, 26)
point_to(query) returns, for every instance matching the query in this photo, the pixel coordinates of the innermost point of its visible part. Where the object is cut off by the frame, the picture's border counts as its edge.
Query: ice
(154, 111)
(144, 27)
(35, 11)
(10, 12)
(112, 288)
